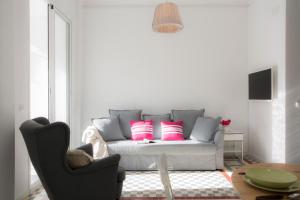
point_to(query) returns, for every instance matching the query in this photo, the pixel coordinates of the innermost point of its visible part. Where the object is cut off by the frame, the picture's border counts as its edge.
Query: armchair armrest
(97, 165)
(88, 148)
(219, 139)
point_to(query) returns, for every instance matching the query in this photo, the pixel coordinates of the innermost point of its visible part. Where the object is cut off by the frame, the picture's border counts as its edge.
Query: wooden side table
(235, 136)
(248, 192)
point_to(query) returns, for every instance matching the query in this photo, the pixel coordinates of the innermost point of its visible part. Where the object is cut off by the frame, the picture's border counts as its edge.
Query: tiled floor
(215, 184)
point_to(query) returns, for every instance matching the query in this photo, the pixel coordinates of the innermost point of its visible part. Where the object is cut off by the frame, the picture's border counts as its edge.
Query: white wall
(292, 81)
(6, 102)
(126, 65)
(266, 48)
(71, 9)
(21, 58)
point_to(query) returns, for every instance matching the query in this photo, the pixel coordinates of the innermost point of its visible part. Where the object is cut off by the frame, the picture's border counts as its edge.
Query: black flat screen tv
(260, 85)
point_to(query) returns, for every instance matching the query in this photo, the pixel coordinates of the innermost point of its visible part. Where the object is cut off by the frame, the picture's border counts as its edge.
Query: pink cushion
(141, 130)
(172, 130)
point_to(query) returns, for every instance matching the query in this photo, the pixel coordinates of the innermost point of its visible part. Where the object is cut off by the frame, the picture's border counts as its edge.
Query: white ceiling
(155, 2)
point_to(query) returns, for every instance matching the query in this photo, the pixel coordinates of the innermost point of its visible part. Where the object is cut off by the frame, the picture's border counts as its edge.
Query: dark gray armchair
(47, 145)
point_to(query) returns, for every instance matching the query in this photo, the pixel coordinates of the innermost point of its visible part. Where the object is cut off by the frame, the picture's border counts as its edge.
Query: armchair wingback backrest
(47, 145)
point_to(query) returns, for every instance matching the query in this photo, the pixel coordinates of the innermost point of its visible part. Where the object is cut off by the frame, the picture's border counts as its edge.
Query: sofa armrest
(219, 139)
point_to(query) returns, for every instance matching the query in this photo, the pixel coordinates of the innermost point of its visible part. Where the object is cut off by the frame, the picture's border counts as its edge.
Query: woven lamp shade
(167, 18)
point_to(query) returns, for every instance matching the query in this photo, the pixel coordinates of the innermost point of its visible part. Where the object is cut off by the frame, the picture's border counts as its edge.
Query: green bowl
(271, 178)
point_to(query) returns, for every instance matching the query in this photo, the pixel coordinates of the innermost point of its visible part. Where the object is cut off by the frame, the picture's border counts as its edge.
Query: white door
(59, 66)
(50, 37)
(39, 66)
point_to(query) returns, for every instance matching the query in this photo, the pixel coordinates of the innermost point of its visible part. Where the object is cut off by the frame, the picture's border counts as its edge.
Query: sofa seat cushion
(129, 147)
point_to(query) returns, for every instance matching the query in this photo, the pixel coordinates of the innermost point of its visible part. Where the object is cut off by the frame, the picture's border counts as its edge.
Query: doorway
(50, 66)
(59, 65)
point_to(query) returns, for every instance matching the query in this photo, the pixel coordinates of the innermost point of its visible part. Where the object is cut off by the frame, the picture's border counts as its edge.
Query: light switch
(297, 104)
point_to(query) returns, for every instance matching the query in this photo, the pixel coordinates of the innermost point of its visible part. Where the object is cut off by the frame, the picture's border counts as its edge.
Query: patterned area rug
(187, 185)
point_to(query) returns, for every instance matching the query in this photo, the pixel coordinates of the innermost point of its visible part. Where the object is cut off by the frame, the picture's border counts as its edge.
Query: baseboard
(256, 158)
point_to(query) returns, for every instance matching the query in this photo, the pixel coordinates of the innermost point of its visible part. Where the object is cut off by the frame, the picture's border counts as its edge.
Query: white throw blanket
(92, 135)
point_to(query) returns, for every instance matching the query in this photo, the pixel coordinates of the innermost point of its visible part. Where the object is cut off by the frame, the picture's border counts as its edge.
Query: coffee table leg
(164, 176)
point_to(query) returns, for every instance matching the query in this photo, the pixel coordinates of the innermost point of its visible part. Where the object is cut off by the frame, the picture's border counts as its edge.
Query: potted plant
(225, 123)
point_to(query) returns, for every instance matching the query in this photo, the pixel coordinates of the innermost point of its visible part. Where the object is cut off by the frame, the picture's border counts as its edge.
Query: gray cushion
(183, 147)
(125, 116)
(109, 128)
(205, 128)
(156, 123)
(189, 118)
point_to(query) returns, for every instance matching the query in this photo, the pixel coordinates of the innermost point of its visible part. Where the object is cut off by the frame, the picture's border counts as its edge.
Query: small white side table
(235, 136)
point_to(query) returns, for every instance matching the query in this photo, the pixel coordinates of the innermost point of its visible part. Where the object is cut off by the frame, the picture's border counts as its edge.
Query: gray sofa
(188, 154)
(181, 155)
